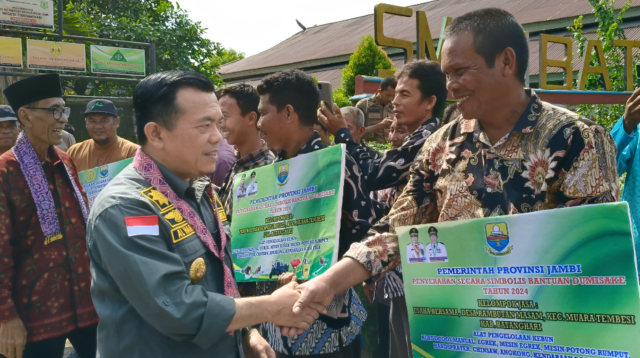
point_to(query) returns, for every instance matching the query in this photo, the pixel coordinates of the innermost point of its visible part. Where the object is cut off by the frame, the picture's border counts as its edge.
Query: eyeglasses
(55, 111)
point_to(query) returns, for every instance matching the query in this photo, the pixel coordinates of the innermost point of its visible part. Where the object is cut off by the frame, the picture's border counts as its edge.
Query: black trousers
(84, 341)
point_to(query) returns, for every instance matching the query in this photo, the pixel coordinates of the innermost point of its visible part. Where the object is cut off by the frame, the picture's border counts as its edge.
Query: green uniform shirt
(142, 289)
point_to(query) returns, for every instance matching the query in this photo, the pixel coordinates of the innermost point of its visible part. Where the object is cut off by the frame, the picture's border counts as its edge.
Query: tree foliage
(609, 29)
(180, 42)
(364, 61)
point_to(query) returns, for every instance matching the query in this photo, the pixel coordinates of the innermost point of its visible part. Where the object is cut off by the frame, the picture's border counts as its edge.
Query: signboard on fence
(117, 60)
(27, 13)
(57, 56)
(10, 52)
(528, 285)
(286, 216)
(94, 180)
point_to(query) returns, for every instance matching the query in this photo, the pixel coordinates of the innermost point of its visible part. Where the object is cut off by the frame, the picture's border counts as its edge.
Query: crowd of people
(147, 271)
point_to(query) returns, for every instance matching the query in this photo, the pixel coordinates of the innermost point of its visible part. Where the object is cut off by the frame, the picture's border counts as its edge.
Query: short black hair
(245, 95)
(433, 81)
(493, 31)
(296, 88)
(154, 98)
(388, 82)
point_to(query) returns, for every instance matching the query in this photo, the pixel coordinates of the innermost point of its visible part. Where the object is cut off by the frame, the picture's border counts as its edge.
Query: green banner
(94, 180)
(117, 60)
(551, 284)
(286, 216)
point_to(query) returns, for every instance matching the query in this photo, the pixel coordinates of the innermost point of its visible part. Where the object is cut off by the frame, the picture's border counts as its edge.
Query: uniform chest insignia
(197, 270)
(174, 218)
(156, 197)
(182, 232)
(221, 213)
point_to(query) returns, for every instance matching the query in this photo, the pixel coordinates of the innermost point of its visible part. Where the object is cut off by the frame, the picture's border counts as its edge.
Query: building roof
(332, 43)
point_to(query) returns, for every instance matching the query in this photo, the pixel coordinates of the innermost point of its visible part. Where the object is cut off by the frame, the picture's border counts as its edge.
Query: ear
(361, 131)
(429, 103)
(23, 114)
(117, 120)
(154, 132)
(253, 119)
(507, 62)
(289, 112)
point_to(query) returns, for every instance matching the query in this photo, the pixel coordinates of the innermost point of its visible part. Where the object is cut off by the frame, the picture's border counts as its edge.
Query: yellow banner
(59, 56)
(10, 52)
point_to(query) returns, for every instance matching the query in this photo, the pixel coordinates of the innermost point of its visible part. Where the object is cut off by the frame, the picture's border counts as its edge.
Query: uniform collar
(181, 187)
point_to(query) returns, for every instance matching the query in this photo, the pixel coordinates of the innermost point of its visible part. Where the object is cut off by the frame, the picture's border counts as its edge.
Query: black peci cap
(33, 89)
(433, 230)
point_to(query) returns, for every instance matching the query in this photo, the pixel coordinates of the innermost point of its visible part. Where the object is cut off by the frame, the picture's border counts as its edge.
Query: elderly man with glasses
(45, 280)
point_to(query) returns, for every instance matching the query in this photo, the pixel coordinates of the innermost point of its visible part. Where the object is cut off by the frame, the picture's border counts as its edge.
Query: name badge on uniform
(142, 225)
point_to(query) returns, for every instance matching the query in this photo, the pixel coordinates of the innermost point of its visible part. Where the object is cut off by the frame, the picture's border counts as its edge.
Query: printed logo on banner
(283, 174)
(90, 173)
(498, 239)
(104, 171)
(118, 56)
(56, 50)
(44, 4)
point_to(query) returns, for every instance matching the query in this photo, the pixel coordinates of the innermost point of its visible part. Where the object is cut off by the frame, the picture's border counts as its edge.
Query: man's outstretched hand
(13, 338)
(285, 314)
(631, 112)
(315, 294)
(333, 122)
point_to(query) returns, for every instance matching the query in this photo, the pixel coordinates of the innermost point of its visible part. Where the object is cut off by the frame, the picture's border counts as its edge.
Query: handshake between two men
(315, 295)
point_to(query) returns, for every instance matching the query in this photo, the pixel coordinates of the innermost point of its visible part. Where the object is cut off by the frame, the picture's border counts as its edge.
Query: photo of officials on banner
(444, 179)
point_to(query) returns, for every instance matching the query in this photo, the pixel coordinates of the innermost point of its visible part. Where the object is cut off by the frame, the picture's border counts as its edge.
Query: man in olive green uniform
(378, 111)
(162, 277)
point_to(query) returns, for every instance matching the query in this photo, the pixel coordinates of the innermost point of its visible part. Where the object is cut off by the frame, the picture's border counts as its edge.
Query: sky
(252, 26)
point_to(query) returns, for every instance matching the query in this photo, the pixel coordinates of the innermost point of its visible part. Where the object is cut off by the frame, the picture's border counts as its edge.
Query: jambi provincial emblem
(498, 239)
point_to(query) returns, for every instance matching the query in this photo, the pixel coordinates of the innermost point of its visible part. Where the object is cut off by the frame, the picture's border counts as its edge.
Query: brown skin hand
(632, 112)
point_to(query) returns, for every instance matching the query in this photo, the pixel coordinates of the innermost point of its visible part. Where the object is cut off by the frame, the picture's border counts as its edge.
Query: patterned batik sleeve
(7, 308)
(416, 205)
(358, 212)
(391, 169)
(588, 173)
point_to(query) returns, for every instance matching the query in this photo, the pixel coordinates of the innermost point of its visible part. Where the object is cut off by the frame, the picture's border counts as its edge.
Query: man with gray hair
(355, 124)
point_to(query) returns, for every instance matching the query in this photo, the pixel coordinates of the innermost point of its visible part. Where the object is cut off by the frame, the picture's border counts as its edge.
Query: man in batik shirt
(507, 153)
(44, 266)
(288, 102)
(421, 92)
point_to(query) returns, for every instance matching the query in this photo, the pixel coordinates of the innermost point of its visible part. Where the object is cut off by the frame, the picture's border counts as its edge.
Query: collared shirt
(374, 113)
(328, 335)
(256, 159)
(392, 168)
(142, 284)
(46, 286)
(629, 162)
(552, 158)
